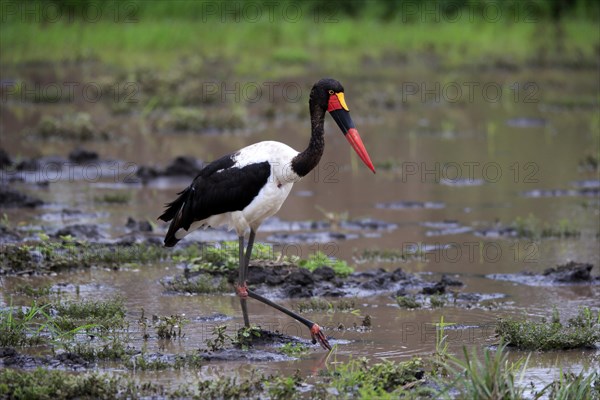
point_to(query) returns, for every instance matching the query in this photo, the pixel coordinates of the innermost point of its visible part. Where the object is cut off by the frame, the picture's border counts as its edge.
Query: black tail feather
(174, 213)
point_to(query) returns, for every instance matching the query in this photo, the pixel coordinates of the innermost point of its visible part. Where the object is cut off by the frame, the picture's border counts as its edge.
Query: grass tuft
(582, 331)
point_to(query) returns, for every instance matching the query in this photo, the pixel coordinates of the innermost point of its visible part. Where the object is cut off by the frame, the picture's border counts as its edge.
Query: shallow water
(474, 159)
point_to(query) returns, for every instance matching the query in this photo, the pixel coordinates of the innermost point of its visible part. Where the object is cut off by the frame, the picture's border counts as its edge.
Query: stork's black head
(328, 94)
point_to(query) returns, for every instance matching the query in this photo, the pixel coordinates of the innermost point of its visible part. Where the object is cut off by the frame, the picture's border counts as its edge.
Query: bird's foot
(242, 290)
(318, 335)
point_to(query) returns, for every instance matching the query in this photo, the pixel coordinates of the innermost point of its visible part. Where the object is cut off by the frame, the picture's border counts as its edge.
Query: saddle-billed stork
(244, 188)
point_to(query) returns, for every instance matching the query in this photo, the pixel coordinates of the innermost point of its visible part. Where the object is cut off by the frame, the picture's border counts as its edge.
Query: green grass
(224, 257)
(582, 331)
(491, 378)
(161, 33)
(91, 329)
(533, 228)
(407, 302)
(105, 316)
(32, 291)
(570, 386)
(294, 349)
(55, 385)
(321, 305)
(70, 253)
(114, 198)
(24, 327)
(358, 378)
(320, 259)
(201, 284)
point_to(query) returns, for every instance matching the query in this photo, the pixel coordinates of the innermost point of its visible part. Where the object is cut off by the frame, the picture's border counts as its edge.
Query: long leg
(241, 288)
(248, 252)
(315, 330)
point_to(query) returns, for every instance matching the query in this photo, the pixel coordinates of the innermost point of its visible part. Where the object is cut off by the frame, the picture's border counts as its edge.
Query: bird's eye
(331, 91)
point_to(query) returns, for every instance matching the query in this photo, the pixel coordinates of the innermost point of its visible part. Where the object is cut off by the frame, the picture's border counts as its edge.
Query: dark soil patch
(218, 317)
(497, 232)
(368, 223)
(138, 226)
(5, 160)
(571, 273)
(9, 357)
(80, 231)
(10, 198)
(8, 235)
(268, 338)
(312, 237)
(410, 205)
(445, 228)
(184, 166)
(245, 355)
(290, 281)
(588, 191)
(526, 122)
(82, 156)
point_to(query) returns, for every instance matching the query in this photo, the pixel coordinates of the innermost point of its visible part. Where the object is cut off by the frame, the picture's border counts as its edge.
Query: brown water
(490, 152)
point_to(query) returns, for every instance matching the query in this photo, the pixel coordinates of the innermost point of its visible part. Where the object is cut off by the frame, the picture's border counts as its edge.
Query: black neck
(304, 162)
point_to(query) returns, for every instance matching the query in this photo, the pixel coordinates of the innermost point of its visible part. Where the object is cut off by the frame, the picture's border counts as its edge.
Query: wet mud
(572, 273)
(10, 357)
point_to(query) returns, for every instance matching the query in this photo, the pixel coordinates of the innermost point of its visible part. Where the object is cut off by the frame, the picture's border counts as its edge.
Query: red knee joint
(315, 329)
(242, 290)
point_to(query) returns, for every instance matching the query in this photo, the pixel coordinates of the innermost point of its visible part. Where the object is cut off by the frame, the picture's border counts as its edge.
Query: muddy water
(450, 166)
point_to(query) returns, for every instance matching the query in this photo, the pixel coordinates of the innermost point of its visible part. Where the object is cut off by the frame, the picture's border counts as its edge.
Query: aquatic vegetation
(228, 387)
(221, 337)
(35, 292)
(407, 302)
(441, 355)
(20, 327)
(91, 330)
(104, 347)
(104, 315)
(360, 379)
(114, 198)
(294, 349)
(320, 259)
(200, 284)
(224, 257)
(57, 385)
(573, 386)
(282, 387)
(437, 301)
(50, 255)
(170, 327)
(492, 378)
(159, 362)
(416, 251)
(580, 331)
(320, 305)
(77, 126)
(531, 227)
(245, 336)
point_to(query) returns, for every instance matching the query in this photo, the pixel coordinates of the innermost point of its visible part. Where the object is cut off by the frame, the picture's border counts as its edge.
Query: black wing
(218, 188)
